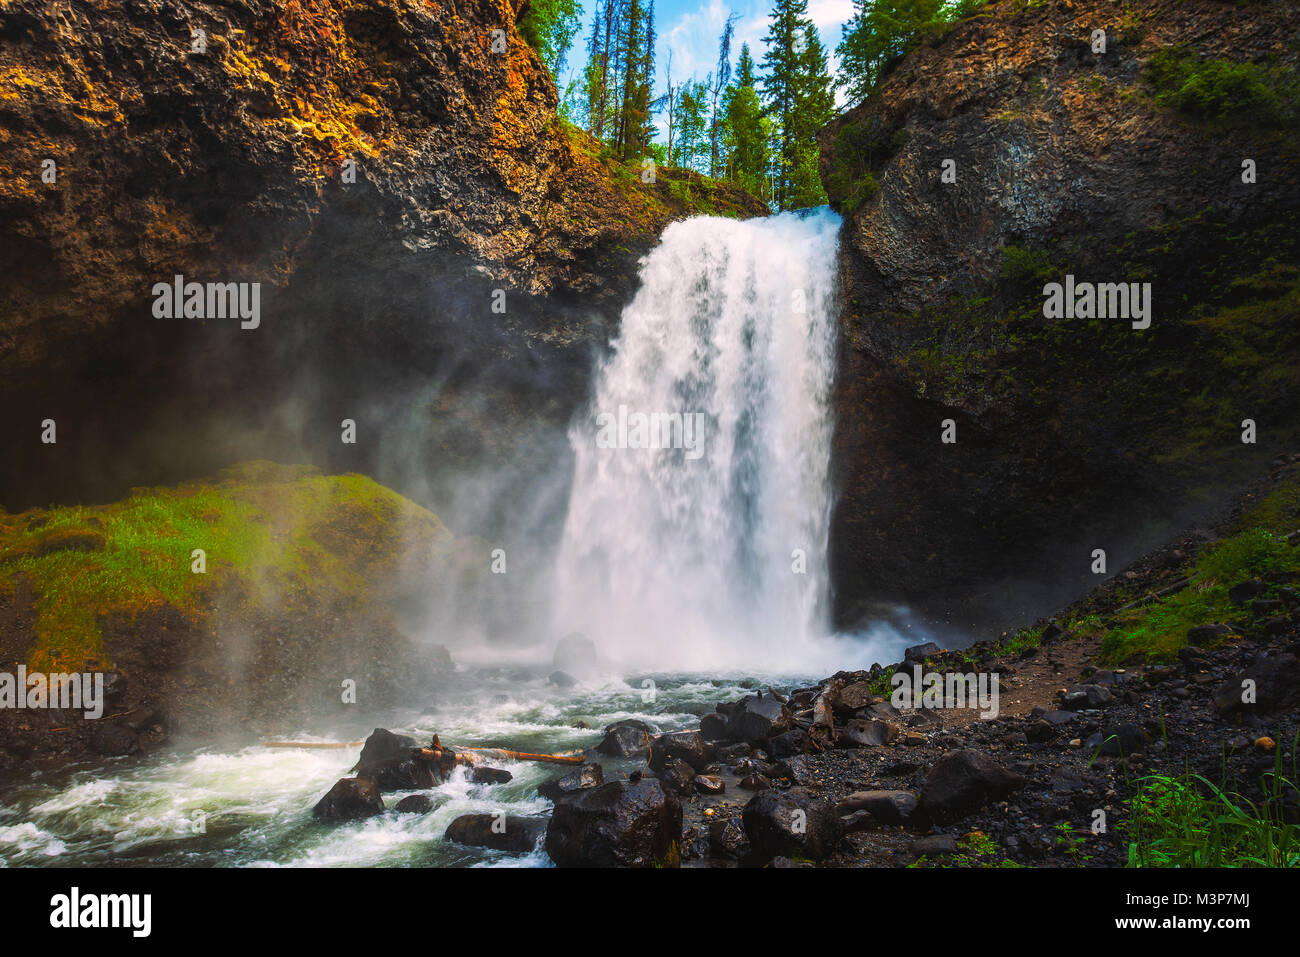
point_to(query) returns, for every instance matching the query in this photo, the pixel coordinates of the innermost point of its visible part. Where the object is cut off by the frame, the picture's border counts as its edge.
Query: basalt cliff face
(1120, 165)
(381, 167)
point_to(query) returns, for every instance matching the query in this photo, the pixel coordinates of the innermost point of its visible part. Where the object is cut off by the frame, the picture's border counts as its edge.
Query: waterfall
(697, 522)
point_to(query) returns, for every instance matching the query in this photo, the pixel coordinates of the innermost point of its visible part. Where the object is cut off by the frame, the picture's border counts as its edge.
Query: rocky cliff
(1122, 163)
(381, 167)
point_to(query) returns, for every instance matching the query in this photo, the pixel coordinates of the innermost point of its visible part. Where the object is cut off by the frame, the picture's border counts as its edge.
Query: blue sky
(690, 28)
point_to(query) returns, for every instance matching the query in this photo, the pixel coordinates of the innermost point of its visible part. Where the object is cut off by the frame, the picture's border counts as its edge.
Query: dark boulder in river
(386, 757)
(587, 776)
(414, 804)
(350, 799)
(625, 739)
(622, 824)
(515, 835)
(383, 746)
(483, 775)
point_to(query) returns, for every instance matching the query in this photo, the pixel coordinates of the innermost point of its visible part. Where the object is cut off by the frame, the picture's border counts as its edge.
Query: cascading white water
(688, 557)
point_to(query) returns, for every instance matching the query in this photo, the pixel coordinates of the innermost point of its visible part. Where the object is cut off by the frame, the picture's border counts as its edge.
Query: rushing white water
(712, 553)
(255, 803)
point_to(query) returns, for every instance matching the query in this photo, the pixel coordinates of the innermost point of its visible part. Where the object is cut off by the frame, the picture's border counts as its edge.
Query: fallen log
(474, 755)
(437, 753)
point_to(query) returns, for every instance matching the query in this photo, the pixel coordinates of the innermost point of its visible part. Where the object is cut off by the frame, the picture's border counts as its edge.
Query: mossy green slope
(285, 536)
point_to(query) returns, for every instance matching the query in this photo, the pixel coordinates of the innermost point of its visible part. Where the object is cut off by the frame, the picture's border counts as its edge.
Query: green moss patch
(281, 534)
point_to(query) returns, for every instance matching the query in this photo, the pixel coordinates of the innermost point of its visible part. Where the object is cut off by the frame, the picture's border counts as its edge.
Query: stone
(688, 746)
(620, 824)
(868, 733)
(791, 823)
(709, 784)
(886, 807)
(963, 781)
(414, 804)
(677, 776)
(1276, 677)
(514, 835)
(625, 739)
(350, 799)
(918, 653)
(756, 719)
(581, 778)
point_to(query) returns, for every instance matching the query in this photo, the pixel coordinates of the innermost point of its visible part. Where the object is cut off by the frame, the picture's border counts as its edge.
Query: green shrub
(1223, 91)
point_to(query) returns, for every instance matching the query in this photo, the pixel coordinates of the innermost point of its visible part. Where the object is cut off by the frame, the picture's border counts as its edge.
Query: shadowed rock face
(227, 165)
(1072, 434)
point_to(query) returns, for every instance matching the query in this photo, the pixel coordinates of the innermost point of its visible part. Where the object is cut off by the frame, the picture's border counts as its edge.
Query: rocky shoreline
(835, 774)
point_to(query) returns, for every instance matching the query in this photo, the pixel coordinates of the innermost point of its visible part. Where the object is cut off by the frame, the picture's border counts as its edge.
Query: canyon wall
(1072, 434)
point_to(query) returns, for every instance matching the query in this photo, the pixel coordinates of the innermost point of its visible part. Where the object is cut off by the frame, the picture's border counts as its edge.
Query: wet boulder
(757, 718)
(350, 799)
(688, 746)
(961, 782)
(386, 757)
(587, 776)
(678, 776)
(853, 698)
(792, 742)
(709, 784)
(383, 746)
(625, 739)
(713, 727)
(621, 824)
(414, 804)
(514, 835)
(798, 769)
(485, 775)
(727, 838)
(793, 823)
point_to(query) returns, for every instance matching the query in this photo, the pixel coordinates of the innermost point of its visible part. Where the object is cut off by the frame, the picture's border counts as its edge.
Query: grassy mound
(275, 535)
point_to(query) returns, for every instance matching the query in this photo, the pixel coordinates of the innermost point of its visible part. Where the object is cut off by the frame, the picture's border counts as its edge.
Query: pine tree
(780, 85)
(797, 88)
(747, 129)
(814, 108)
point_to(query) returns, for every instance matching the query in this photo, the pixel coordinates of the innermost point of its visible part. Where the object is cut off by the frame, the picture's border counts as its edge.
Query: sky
(691, 28)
